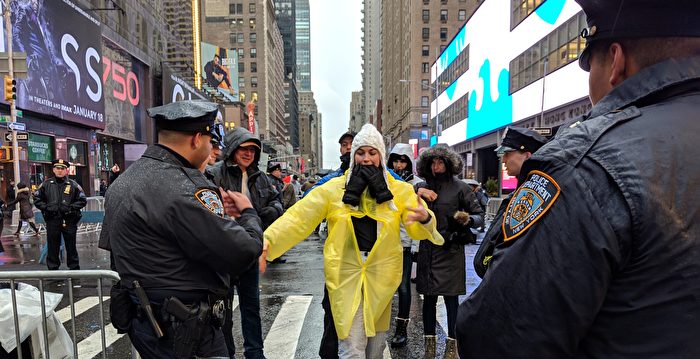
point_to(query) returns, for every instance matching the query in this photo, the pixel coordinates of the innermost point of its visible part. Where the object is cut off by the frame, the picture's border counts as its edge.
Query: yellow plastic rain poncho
(347, 277)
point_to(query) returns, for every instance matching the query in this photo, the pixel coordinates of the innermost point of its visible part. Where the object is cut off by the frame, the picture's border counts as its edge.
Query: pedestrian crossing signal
(10, 88)
(6, 154)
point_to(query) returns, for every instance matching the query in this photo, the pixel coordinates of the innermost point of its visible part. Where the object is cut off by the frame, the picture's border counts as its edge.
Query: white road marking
(282, 339)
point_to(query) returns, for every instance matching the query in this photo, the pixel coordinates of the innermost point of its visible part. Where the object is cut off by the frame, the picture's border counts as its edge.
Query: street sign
(19, 113)
(4, 118)
(544, 131)
(22, 136)
(17, 126)
(8, 136)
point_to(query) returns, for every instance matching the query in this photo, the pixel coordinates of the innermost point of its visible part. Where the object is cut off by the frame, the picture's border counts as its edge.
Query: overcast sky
(336, 67)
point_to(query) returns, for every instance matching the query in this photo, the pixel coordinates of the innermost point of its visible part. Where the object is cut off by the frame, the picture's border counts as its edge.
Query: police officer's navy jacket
(601, 252)
(166, 227)
(60, 199)
(226, 174)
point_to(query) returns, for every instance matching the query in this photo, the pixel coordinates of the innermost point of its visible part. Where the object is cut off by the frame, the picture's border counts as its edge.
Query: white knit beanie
(369, 136)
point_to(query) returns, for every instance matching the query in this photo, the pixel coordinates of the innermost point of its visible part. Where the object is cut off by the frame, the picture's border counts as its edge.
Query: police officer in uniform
(60, 200)
(171, 234)
(517, 146)
(602, 240)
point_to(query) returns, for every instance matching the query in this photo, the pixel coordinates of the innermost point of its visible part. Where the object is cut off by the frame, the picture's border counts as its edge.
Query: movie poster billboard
(220, 70)
(62, 42)
(125, 90)
(177, 89)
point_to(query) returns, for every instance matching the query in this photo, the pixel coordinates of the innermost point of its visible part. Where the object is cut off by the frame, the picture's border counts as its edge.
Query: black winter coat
(60, 199)
(611, 267)
(165, 225)
(441, 269)
(26, 210)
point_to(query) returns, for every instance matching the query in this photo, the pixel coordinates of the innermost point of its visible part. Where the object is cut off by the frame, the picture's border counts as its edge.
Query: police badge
(530, 202)
(210, 200)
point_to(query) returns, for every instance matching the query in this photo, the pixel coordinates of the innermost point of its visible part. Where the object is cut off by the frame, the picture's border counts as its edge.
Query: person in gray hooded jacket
(402, 163)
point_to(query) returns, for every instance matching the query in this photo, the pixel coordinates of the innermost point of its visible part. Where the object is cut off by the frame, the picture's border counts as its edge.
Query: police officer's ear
(614, 61)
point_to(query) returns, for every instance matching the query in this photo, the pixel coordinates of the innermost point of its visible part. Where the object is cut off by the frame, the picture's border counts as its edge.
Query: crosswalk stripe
(81, 306)
(386, 354)
(441, 313)
(282, 339)
(92, 345)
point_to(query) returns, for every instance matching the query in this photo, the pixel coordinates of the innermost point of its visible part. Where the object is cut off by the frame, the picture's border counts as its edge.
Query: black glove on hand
(354, 188)
(345, 161)
(377, 185)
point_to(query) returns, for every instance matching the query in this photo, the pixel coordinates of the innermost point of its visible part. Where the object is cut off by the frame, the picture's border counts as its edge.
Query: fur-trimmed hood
(452, 160)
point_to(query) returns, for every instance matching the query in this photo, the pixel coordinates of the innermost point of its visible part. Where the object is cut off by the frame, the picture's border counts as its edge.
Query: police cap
(621, 19)
(520, 139)
(60, 163)
(189, 116)
(271, 167)
(350, 134)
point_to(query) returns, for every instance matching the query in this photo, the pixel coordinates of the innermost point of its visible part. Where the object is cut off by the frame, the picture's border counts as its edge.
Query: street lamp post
(437, 106)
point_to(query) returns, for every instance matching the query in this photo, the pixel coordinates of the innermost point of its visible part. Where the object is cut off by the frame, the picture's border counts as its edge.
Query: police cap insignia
(530, 202)
(210, 200)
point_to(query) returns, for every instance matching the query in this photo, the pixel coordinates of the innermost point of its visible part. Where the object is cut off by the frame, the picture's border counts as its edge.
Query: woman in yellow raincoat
(362, 254)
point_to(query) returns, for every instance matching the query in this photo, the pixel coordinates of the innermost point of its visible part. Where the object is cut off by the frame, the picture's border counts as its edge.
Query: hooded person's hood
(235, 138)
(402, 149)
(453, 162)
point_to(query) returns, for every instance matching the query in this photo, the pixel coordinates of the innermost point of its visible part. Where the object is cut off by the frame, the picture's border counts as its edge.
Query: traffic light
(10, 89)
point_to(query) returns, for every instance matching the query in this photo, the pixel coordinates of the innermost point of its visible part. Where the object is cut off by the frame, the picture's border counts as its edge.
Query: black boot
(400, 337)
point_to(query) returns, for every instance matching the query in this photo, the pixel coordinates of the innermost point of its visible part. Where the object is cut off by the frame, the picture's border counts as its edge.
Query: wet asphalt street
(291, 294)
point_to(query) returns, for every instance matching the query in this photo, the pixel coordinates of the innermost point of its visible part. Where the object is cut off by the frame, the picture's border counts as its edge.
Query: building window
(424, 119)
(232, 9)
(241, 96)
(253, 37)
(556, 50)
(232, 38)
(426, 2)
(426, 33)
(253, 67)
(457, 68)
(241, 67)
(252, 24)
(426, 50)
(241, 53)
(462, 15)
(443, 33)
(444, 2)
(426, 67)
(443, 15)
(241, 82)
(240, 38)
(254, 98)
(424, 101)
(442, 48)
(426, 15)
(520, 9)
(251, 8)
(424, 84)
(253, 53)
(254, 81)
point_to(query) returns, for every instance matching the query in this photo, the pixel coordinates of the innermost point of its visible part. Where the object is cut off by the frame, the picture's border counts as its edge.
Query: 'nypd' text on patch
(210, 201)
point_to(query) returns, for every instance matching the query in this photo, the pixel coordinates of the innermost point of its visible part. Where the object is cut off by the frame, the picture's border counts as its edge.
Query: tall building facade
(251, 29)
(414, 32)
(285, 10)
(310, 131)
(357, 111)
(180, 54)
(303, 35)
(371, 58)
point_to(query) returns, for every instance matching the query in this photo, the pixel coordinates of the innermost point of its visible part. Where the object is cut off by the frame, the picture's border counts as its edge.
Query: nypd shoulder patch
(530, 202)
(210, 200)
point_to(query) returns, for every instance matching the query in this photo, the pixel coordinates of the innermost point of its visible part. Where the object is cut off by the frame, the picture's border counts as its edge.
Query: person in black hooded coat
(441, 269)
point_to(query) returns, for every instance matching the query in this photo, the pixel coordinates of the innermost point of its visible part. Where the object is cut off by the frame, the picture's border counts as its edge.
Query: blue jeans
(405, 286)
(247, 286)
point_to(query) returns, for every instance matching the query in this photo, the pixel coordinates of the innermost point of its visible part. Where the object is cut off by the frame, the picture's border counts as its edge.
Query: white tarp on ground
(29, 312)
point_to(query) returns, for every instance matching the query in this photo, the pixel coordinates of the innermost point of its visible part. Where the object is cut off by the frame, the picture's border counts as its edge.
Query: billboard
(125, 87)
(220, 70)
(177, 89)
(62, 42)
(492, 45)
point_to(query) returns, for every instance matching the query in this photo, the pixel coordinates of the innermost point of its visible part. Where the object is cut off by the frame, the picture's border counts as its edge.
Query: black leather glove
(345, 161)
(354, 188)
(377, 184)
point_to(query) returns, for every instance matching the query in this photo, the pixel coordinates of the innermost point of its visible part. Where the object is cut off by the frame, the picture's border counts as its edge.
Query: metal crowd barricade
(492, 208)
(14, 276)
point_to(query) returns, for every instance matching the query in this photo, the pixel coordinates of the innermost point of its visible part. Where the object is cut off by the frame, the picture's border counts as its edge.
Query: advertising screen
(126, 86)
(492, 45)
(220, 70)
(177, 89)
(62, 42)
